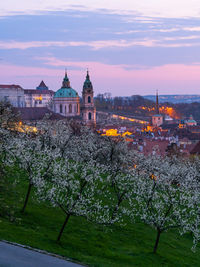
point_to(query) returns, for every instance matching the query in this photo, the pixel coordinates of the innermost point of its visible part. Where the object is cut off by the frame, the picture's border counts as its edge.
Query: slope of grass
(92, 244)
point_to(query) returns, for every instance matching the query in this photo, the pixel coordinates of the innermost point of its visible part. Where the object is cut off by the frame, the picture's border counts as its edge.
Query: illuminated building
(65, 102)
(41, 97)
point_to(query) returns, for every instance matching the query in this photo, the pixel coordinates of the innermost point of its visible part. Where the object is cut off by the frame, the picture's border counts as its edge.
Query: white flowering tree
(166, 196)
(7, 122)
(81, 184)
(73, 188)
(121, 176)
(31, 155)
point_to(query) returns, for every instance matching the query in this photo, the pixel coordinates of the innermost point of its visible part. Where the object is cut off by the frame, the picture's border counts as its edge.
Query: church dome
(66, 92)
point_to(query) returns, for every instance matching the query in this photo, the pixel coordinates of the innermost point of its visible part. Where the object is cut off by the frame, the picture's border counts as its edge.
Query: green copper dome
(66, 92)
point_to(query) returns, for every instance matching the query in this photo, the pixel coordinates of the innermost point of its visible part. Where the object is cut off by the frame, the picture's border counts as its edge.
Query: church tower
(157, 119)
(88, 109)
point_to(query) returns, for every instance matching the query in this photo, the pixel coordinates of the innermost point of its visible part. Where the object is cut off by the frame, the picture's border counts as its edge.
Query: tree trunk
(157, 241)
(27, 197)
(63, 227)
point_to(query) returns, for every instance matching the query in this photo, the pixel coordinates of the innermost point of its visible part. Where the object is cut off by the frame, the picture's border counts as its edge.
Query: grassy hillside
(88, 243)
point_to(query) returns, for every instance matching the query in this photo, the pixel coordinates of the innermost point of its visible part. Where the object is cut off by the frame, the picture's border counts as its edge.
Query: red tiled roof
(5, 86)
(151, 145)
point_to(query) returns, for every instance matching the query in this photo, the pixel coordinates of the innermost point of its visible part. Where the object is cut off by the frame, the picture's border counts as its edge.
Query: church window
(70, 108)
(89, 99)
(77, 108)
(61, 110)
(65, 109)
(89, 115)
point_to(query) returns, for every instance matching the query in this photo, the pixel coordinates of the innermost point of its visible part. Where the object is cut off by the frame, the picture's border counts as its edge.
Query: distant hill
(175, 99)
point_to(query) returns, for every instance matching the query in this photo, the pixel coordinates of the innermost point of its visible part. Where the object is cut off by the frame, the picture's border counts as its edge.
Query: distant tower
(88, 109)
(157, 104)
(157, 119)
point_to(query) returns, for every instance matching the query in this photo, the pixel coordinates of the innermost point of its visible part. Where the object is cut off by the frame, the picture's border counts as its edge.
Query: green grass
(92, 244)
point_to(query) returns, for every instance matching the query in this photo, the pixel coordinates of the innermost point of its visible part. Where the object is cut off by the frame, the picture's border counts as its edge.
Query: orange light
(153, 177)
(163, 109)
(111, 132)
(38, 98)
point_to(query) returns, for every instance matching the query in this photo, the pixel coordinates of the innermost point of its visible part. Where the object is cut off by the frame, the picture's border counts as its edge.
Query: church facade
(66, 101)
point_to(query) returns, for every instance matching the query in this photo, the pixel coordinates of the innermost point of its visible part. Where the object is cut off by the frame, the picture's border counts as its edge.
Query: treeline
(126, 104)
(100, 178)
(189, 109)
(134, 104)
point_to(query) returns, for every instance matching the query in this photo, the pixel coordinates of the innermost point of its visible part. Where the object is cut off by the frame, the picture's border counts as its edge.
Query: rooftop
(5, 86)
(38, 92)
(34, 114)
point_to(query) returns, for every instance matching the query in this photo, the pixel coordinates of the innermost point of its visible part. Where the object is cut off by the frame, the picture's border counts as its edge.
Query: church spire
(87, 76)
(87, 84)
(66, 82)
(157, 104)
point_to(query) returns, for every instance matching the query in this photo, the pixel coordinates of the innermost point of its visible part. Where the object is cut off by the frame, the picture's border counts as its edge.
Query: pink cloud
(168, 79)
(101, 44)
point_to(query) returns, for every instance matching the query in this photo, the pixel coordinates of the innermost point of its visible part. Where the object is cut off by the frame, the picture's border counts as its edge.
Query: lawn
(92, 244)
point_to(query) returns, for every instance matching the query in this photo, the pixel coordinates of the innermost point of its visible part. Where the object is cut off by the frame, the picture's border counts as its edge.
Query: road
(16, 256)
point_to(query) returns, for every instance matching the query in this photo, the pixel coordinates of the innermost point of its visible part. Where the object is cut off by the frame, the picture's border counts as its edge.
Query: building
(13, 94)
(88, 110)
(157, 119)
(191, 121)
(39, 97)
(66, 100)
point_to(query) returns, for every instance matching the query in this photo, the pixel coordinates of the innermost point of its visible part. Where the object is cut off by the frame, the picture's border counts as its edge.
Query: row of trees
(99, 178)
(121, 104)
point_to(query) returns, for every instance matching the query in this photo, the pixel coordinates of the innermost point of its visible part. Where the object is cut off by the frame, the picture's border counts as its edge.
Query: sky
(130, 47)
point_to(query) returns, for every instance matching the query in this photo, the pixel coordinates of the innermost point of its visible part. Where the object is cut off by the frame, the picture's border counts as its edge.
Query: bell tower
(88, 109)
(157, 119)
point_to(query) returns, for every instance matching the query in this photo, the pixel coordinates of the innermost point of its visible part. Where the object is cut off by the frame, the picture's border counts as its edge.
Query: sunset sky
(130, 46)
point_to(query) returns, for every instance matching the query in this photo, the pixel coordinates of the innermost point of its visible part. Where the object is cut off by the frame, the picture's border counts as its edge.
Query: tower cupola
(66, 82)
(87, 86)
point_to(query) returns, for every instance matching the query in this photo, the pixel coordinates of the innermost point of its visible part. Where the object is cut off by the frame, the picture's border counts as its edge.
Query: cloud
(175, 38)
(114, 78)
(192, 29)
(155, 8)
(102, 44)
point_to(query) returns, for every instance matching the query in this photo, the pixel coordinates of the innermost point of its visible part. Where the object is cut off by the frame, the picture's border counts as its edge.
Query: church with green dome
(66, 101)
